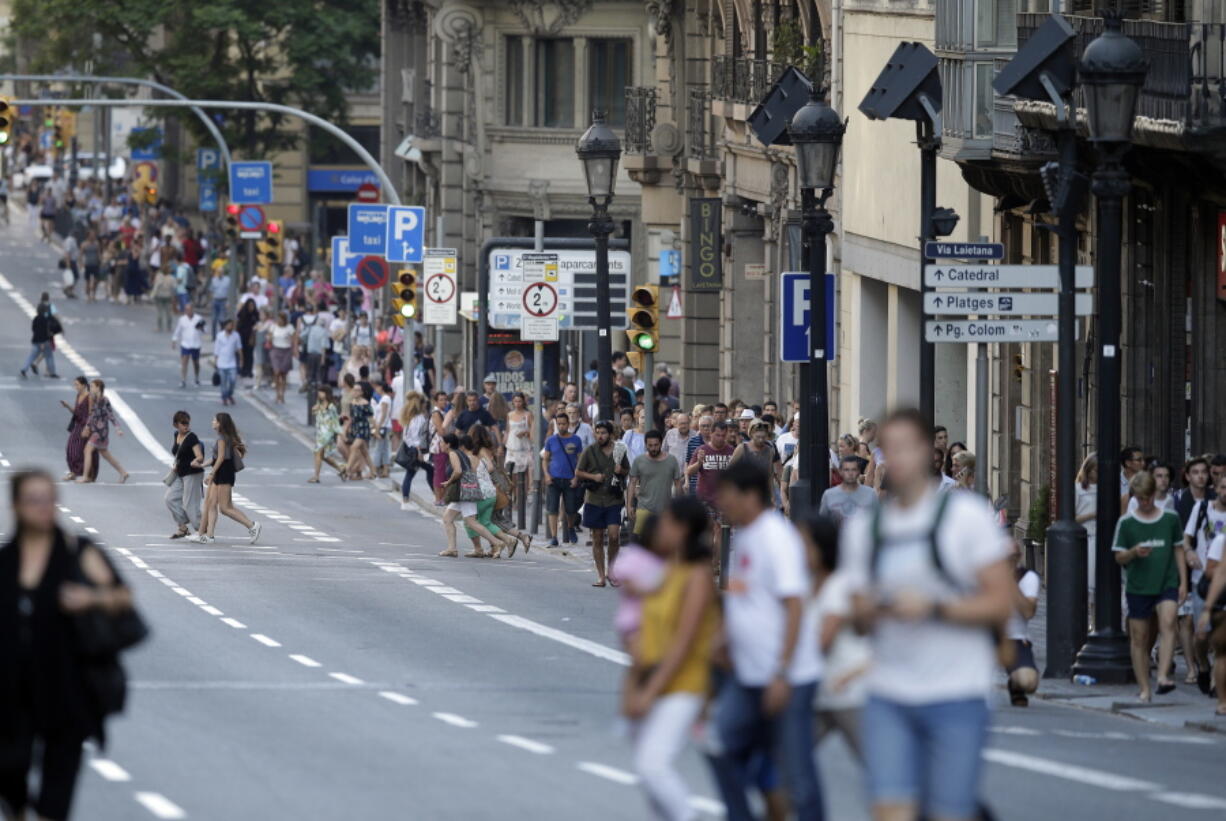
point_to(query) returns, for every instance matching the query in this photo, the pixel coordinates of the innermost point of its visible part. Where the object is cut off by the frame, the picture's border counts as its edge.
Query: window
(555, 83)
(996, 23)
(984, 100)
(324, 149)
(513, 91)
(608, 74)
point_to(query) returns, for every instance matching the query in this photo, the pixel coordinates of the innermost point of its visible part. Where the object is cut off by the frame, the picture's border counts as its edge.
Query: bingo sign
(439, 273)
(539, 321)
(706, 245)
(372, 272)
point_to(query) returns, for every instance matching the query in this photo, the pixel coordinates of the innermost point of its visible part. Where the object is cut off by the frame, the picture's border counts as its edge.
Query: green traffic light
(408, 310)
(645, 342)
(4, 137)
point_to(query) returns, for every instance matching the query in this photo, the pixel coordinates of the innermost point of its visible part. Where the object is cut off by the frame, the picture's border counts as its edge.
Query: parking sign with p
(406, 233)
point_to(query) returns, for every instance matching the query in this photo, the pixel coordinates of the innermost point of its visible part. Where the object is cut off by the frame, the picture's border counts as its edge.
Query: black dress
(42, 687)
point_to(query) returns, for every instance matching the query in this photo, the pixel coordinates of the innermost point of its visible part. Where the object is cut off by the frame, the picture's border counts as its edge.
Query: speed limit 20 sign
(539, 320)
(439, 284)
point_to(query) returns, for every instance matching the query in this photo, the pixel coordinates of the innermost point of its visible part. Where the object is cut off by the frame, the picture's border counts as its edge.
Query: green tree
(308, 54)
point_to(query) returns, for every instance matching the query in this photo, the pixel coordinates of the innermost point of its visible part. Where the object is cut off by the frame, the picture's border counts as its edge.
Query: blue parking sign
(794, 317)
(208, 195)
(251, 183)
(368, 229)
(208, 159)
(344, 264)
(406, 233)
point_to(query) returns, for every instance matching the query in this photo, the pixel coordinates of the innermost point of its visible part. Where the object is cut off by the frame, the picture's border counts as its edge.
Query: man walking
(228, 350)
(655, 477)
(849, 496)
(604, 474)
(559, 459)
(219, 288)
(188, 337)
(765, 705)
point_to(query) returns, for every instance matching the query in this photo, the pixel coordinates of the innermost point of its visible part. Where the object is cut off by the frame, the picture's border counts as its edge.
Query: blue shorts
(926, 754)
(596, 517)
(559, 494)
(194, 353)
(1141, 606)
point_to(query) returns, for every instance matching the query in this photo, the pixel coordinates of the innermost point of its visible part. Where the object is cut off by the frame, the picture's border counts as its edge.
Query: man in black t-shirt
(474, 414)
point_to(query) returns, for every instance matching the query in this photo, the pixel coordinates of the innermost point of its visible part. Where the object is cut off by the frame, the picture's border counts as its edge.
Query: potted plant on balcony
(788, 49)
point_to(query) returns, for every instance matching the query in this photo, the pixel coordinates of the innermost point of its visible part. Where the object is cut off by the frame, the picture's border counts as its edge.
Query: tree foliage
(306, 53)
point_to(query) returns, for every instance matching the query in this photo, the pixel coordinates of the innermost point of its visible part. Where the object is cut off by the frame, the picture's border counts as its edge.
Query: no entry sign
(372, 272)
(367, 192)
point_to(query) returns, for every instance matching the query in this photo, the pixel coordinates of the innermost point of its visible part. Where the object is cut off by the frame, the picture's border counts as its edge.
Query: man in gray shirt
(843, 500)
(655, 477)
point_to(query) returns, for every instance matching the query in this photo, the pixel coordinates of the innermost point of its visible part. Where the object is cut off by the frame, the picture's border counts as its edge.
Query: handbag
(236, 457)
(216, 378)
(170, 477)
(468, 489)
(406, 456)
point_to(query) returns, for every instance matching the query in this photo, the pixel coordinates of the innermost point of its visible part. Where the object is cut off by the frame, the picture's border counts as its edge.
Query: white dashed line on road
(345, 678)
(160, 805)
(235, 623)
(455, 720)
(609, 773)
(1071, 772)
(1190, 801)
(305, 661)
(526, 744)
(398, 698)
(265, 640)
(210, 609)
(109, 769)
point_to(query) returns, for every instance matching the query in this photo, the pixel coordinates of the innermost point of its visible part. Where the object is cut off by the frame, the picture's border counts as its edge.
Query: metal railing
(743, 80)
(1187, 65)
(699, 137)
(640, 119)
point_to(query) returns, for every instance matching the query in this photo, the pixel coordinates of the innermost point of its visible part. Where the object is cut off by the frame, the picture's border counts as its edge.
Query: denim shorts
(927, 754)
(1141, 607)
(561, 494)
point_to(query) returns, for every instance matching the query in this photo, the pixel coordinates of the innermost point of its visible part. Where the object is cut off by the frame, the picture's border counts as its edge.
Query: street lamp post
(1112, 70)
(817, 133)
(599, 150)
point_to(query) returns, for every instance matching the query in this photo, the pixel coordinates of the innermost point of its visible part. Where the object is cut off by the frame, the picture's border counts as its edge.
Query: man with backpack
(933, 588)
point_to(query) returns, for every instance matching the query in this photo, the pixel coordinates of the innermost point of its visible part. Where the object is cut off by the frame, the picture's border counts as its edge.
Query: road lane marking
(589, 647)
(160, 805)
(235, 623)
(455, 720)
(109, 769)
(462, 598)
(1015, 731)
(1181, 739)
(305, 661)
(485, 608)
(1190, 801)
(609, 773)
(398, 698)
(1070, 772)
(91, 530)
(196, 600)
(345, 678)
(265, 640)
(77, 519)
(211, 610)
(707, 805)
(526, 744)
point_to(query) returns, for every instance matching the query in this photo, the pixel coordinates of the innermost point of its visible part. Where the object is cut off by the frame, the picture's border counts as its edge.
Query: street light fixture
(816, 131)
(1112, 70)
(599, 150)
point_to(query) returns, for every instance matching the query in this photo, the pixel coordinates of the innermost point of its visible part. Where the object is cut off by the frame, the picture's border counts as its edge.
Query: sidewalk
(1185, 708)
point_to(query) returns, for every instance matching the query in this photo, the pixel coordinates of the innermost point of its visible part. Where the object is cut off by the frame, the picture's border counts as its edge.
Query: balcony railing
(743, 80)
(699, 137)
(1187, 65)
(640, 119)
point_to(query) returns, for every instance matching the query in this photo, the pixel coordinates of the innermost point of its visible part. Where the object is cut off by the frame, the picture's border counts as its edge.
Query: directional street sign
(964, 250)
(1006, 303)
(439, 273)
(794, 317)
(1003, 276)
(344, 264)
(991, 330)
(368, 229)
(576, 286)
(251, 183)
(372, 272)
(406, 233)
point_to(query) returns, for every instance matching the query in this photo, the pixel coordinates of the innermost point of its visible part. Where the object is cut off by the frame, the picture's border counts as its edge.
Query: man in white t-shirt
(1022, 670)
(931, 582)
(765, 705)
(188, 336)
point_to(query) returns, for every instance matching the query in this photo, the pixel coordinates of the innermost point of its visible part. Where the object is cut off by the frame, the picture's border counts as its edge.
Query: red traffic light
(233, 208)
(274, 227)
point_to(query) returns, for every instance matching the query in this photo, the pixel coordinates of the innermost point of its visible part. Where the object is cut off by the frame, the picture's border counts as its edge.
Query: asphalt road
(340, 669)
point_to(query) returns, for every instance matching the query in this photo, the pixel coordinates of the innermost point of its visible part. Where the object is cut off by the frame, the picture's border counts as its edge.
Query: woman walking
(327, 431)
(502, 507)
(666, 687)
(75, 449)
(91, 261)
(245, 323)
(482, 452)
(281, 354)
(186, 490)
(357, 430)
(519, 443)
(228, 452)
(45, 700)
(263, 344)
(98, 431)
(416, 426)
(463, 483)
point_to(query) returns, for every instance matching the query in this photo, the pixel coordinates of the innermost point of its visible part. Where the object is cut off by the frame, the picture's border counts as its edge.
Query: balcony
(743, 80)
(1182, 98)
(640, 119)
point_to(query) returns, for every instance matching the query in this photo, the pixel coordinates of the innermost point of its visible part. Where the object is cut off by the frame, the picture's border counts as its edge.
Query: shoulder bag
(470, 488)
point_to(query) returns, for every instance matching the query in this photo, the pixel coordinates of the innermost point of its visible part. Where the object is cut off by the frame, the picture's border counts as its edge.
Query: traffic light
(636, 360)
(644, 313)
(271, 251)
(405, 302)
(232, 212)
(67, 121)
(151, 194)
(8, 113)
(58, 127)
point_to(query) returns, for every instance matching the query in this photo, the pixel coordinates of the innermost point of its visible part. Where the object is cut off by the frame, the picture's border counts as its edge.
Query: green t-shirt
(656, 478)
(1155, 573)
(595, 460)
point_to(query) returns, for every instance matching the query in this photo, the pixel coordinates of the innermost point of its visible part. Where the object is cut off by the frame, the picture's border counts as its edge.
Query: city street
(340, 669)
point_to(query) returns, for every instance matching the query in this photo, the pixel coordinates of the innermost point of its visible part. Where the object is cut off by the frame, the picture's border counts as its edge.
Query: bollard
(725, 554)
(521, 498)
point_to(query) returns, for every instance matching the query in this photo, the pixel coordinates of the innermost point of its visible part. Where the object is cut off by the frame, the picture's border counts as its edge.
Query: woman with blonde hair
(1087, 512)
(964, 471)
(415, 422)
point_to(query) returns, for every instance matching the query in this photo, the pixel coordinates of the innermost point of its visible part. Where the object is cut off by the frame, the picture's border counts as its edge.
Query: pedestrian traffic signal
(232, 212)
(8, 113)
(405, 302)
(644, 313)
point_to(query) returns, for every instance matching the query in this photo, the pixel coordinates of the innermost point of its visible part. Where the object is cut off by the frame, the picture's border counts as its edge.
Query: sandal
(511, 548)
(526, 538)
(314, 480)
(476, 554)
(600, 583)
(1168, 687)
(449, 553)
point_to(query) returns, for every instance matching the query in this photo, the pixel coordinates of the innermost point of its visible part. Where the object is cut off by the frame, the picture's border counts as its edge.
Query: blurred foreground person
(933, 586)
(50, 696)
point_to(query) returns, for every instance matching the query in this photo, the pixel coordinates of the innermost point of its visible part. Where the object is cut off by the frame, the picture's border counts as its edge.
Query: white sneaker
(255, 532)
(198, 538)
